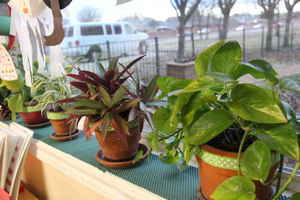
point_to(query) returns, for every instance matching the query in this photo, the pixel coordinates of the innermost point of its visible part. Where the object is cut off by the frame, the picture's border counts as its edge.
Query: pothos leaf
(235, 188)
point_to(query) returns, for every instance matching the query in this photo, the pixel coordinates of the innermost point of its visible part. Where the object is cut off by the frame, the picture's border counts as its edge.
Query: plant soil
(230, 140)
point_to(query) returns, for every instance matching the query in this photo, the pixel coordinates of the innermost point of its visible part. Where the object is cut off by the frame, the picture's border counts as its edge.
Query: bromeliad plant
(111, 108)
(218, 112)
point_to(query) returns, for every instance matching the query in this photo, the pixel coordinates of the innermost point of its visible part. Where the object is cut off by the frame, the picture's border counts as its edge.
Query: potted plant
(112, 111)
(21, 100)
(64, 125)
(235, 129)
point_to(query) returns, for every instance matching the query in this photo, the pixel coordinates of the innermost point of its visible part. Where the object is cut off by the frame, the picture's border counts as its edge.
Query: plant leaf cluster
(218, 109)
(107, 100)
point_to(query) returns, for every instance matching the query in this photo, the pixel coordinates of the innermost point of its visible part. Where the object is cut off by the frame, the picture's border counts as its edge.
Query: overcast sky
(157, 9)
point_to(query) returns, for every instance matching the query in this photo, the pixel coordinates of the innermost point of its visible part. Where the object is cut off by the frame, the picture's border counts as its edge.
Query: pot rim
(57, 115)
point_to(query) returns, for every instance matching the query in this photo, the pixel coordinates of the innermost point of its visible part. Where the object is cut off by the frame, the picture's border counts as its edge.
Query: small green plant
(220, 110)
(22, 96)
(55, 89)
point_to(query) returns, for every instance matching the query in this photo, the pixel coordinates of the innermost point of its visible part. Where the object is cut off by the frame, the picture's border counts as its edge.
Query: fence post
(108, 50)
(278, 40)
(193, 44)
(262, 44)
(292, 36)
(244, 44)
(157, 58)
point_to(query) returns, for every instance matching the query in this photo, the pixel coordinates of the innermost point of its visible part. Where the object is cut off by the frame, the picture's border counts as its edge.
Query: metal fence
(160, 51)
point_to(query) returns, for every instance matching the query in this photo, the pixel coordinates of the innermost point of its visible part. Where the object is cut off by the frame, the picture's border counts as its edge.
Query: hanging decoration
(36, 26)
(7, 68)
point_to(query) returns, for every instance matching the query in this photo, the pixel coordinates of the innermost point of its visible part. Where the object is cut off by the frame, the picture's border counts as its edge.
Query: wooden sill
(78, 173)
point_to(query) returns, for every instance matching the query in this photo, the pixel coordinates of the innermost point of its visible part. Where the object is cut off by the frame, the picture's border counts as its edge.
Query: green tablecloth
(162, 179)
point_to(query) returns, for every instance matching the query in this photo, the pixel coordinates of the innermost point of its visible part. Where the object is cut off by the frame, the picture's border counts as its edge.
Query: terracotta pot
(33, 117)
(212, 174)
(61, 123)
(118, 146)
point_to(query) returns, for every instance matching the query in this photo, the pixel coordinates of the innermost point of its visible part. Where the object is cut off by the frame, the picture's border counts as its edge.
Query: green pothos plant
(218, 109)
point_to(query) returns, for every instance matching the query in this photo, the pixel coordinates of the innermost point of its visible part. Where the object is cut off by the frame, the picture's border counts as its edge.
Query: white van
(86, 38)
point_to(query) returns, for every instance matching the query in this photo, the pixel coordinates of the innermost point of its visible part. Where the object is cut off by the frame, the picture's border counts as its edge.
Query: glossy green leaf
(221, 77)
(181, 101)
(202, 83)
(248, 68)
(16, 102)
(289, 85)
(170, 84)
(235, 188)
(281, 138)
(138, 156)
(162, 121)
(170, 157)
(203, 60)
(197, 102)
(209, 126)
(267, 68)
(256, 161)
(152, 139)
(256, 104)
(289, 111)
(227, 58)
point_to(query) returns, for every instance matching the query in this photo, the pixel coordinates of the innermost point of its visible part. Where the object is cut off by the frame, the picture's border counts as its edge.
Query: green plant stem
(286, 184)
(240, 151)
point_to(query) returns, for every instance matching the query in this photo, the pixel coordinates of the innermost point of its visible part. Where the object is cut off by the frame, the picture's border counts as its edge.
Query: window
(128, 29)
(91, 30)
(108, 29)
(118, 29)
(69, 32)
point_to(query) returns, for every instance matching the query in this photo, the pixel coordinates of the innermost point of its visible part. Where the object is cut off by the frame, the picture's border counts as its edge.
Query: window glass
(91, 30)
(108, 29)
(69, 32)
(118, 29)
(128, 29)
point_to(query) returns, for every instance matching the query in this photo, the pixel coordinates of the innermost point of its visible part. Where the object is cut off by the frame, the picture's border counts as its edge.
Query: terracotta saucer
(123, 164)
(63, 138)
(40, 125)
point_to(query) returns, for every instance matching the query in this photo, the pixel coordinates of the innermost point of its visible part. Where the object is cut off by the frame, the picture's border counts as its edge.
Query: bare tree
(269, 7)
(226, 7)
(89, 14)
(184, 10)
(290, 5)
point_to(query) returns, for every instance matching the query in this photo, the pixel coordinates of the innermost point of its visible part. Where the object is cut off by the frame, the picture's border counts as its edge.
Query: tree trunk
(207, 25)
(289, 17)
(224, 27)
(181, 41)
(269, 38)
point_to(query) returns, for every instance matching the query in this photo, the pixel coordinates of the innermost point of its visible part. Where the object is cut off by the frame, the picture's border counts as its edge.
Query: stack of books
(14, 145)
